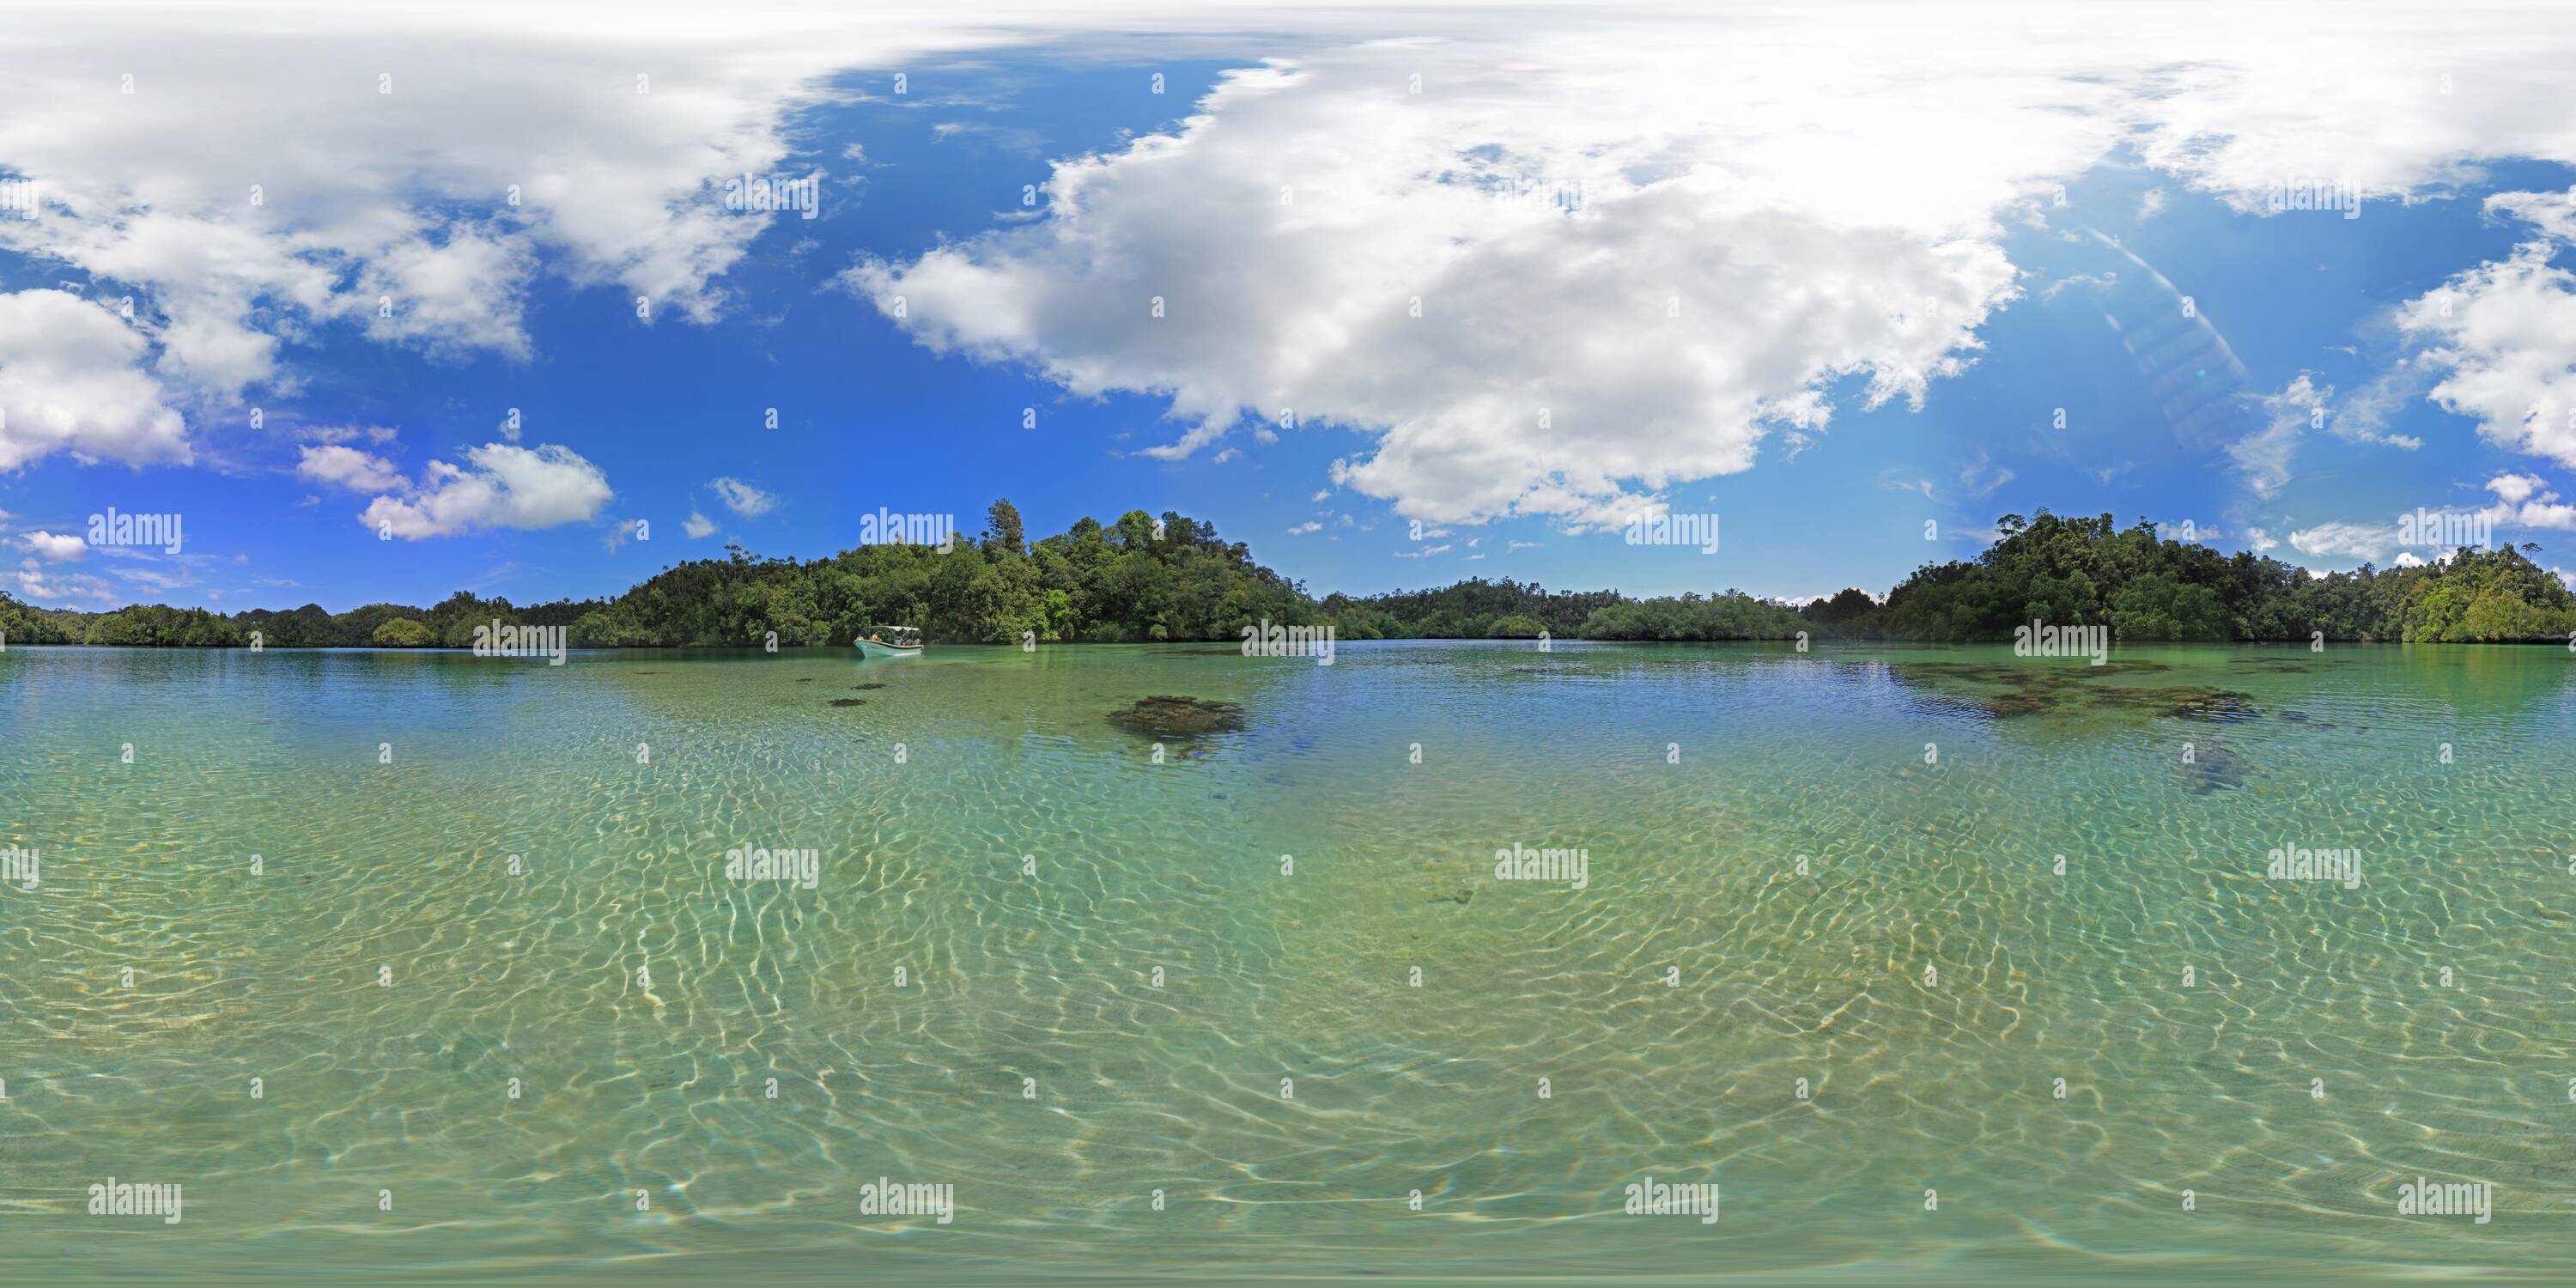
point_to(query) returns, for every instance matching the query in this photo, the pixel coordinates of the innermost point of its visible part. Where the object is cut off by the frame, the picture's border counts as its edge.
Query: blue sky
(1639, 287)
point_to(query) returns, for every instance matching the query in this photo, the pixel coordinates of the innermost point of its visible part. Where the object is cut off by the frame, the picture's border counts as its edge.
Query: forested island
(1142, 579)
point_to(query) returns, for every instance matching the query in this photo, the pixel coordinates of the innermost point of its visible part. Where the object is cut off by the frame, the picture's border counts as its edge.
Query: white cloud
(2515, 488)
(349, 468)
(254, 187)
(2150, 204)
(377, 434)
(2498, 335)
(2259, 541)
(698, 526)
(1304, 528)
(1982, 479)
(37, 585)
(1823, 179)
(2526, 502)
(58, 548)
(2264, 456)
(2363, 417)
(71, 381)
(2079, 281)
(1801, 185)
(2370, 541)
(742, 498)
(1647, 191)
(499, 486)
(1424, 553)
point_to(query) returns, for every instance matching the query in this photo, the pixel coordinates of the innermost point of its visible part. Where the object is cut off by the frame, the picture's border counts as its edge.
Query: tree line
(1148, 579)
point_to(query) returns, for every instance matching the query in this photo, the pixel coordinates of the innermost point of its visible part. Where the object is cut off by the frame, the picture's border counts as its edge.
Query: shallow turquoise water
(1672, 1004)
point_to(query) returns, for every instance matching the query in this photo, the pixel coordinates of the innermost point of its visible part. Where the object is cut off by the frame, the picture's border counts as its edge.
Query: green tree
(1002, 533)
(403, 632)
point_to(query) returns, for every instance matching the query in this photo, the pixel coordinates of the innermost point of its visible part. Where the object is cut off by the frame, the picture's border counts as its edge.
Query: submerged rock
(1170, 716)
(2225, 706)
(2213, 768)
(2022, 702)
(2183, 702)
(872, 684)
(849, 702)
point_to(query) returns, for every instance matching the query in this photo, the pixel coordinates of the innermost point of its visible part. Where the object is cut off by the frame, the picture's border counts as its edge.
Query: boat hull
(873, 649)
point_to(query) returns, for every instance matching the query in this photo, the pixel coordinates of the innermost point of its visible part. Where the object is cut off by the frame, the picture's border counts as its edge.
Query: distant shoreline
(1147, 580)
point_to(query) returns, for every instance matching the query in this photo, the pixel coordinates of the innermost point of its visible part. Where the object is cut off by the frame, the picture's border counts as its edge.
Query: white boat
(891, 641)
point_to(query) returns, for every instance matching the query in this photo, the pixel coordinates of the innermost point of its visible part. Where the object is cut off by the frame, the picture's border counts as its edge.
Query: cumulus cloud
(71, 381)
(2515, 488)
(742, 498)
(1644, 247)
(499, 486)
(349, 468)
(59, 548)
(2525, 501)
(698, 526)
(1573, 267)
(1550, 320)
(408, 174)
(2498, 335)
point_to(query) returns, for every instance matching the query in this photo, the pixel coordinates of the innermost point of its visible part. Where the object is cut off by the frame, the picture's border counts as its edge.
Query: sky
(378, 306)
